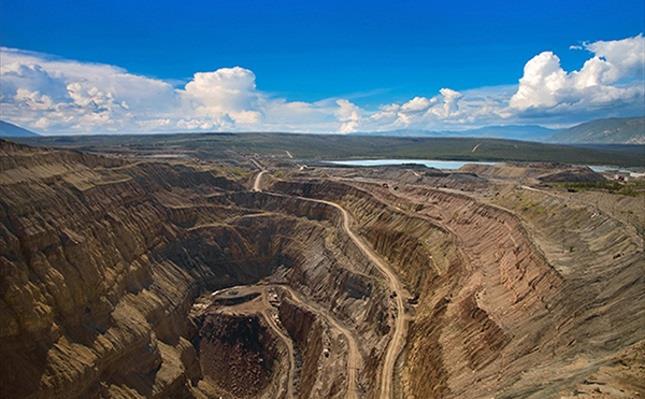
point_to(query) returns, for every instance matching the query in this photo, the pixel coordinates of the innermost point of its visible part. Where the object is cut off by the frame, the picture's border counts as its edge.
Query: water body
(452, 165)
(607, 168)
(429, 163)
(639, 172)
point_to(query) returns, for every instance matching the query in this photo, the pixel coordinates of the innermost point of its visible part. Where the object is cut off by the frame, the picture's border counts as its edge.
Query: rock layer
(520, 293)
(101, 273)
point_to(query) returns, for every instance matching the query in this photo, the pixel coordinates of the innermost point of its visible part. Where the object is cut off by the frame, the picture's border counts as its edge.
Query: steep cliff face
(307, 333)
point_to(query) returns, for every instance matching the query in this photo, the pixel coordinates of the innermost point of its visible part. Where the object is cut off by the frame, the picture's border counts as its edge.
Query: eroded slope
(134, 277)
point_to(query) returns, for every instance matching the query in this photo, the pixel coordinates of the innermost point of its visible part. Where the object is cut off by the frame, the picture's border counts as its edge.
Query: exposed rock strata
(494, 303)
(524, 293)
(97, 276)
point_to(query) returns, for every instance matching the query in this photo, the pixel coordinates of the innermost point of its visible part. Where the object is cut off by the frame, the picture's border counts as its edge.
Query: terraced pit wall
(102, 261)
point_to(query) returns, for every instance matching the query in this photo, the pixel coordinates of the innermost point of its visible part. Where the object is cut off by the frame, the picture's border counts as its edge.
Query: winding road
(399, 329)
(354, 358)
(258, 178)
(263, 307)
(400, 326)
(289, 345)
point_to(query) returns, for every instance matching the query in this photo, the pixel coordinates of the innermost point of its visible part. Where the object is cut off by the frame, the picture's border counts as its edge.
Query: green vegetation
(631, 188)
(329, 147)
(234, 171)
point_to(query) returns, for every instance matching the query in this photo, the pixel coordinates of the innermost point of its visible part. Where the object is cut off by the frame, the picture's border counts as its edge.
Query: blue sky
(368, 53)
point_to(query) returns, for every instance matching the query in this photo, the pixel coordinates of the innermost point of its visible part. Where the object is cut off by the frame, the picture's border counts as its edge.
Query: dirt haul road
(289, 345)
(354, 358)
(400, 325)
(256, 183)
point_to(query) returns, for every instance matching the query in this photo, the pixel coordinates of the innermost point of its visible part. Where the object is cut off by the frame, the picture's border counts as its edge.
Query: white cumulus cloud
(55, 95)
(225, 92)
(614, 73)
(348, 116)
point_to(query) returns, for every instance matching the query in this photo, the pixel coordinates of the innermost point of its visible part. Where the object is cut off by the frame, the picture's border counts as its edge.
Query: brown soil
(132, 276)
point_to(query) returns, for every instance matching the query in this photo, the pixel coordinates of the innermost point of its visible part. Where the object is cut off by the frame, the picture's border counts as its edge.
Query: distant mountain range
(606, 131)
(10, 130)
(600, 131)
(517, 132)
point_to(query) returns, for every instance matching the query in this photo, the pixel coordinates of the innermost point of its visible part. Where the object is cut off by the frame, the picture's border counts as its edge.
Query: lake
(429, 163)
(452, 165)
(607, 168)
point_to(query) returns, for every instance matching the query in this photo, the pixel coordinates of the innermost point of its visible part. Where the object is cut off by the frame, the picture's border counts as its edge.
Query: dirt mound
(580, 174)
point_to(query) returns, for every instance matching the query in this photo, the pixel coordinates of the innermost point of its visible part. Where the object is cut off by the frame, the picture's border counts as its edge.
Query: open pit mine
(167, 275)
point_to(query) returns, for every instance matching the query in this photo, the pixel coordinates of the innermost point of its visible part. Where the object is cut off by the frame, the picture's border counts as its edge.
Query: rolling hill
(511, 132)
(212, 146)
(606, 131)
(599, 131)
